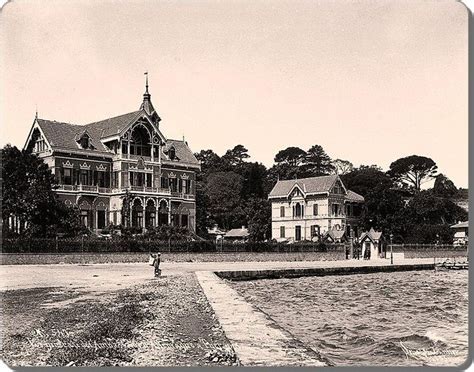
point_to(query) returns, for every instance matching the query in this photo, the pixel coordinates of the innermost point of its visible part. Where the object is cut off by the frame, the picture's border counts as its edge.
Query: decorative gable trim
(142, 115)
(33, 127)
(101, 167)
(67, 164)
(171, 175)
(338, 179)
(185, 177)
(85, 166)
(297, 187)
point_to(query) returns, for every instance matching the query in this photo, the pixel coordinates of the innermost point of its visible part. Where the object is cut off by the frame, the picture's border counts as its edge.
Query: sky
(370, 81)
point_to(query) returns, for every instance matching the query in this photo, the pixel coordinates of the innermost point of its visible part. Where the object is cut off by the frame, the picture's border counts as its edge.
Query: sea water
(392, 319)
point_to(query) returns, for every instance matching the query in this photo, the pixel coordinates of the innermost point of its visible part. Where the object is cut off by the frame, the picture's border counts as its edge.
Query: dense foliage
(30, 207)
(232, 191)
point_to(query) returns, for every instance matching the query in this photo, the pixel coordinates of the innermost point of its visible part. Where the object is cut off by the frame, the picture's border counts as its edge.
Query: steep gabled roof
(64, 136)
(112, 126)
(372, 235)
(312, 185)
(335, 234)
(353, 196)
(183, 152)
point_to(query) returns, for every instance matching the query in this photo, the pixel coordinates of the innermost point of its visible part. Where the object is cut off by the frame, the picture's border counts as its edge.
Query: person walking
(156, 264)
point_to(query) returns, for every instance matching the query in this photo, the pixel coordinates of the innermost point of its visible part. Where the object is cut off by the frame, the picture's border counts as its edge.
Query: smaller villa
(309, 208)
(461, 235)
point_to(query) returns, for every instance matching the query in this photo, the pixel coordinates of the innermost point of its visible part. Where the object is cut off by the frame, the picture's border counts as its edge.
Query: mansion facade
(121, 170)
(310, 208)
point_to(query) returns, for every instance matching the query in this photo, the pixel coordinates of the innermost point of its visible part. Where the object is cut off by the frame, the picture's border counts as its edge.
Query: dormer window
(172, 153)
(85, 141)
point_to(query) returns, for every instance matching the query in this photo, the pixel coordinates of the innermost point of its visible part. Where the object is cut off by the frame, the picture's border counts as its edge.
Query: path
(110, 277)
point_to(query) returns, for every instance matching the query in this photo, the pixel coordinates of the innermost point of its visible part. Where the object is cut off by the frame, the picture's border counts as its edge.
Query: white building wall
(323, 219)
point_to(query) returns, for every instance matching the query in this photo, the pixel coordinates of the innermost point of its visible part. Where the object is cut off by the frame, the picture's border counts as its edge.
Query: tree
(444, 187)
(254, 176)
(29, 197)
(224, 192)
(317, 162)
(427, 208)
(210, 161)
(292, 156)
(364, 179)
(236, 156)
(413, 170)
(342, 167)
(259, 214)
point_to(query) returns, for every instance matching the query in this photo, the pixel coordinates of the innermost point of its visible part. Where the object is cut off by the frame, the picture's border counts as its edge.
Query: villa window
(124, 148)
(140, 142)
(315, 209)
(84, 178)
(101, 179)
(315, 229)
(164, 183)
(67, 177)
(172, 153)
(173, 184)
(336, 210)
(282, 231)
(282, 211)
(184, 220)
(298, 210)
(84, 142)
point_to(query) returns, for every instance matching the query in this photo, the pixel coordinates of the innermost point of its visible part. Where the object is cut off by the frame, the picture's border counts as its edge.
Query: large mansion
(124, 159)
(309, 208)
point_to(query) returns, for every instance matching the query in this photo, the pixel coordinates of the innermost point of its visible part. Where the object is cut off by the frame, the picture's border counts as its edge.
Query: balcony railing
(182, 195)
(107, 190)
(85, 188)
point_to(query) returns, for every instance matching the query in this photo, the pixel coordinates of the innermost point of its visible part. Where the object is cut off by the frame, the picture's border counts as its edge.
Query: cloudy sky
(370, 81)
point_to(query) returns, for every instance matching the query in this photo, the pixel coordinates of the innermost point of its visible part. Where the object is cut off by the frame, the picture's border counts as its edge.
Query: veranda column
(169, 213)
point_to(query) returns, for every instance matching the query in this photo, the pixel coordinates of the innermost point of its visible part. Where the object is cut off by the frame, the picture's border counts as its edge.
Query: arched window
(140, 142)
(298, 210)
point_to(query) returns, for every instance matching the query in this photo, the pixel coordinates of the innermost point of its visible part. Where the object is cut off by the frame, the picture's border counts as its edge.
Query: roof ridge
(113, 117)
(58, 122)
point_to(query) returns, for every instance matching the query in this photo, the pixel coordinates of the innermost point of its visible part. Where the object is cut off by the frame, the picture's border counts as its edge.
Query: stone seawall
(319, 271)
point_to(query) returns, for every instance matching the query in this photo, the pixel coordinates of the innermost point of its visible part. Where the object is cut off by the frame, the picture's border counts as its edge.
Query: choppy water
(406, 318)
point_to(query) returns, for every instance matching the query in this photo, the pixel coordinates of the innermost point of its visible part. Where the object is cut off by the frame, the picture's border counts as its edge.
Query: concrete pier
(255, 337)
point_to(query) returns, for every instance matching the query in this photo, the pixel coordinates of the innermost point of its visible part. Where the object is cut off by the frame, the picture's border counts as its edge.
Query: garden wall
(97, 258)
(429, 250)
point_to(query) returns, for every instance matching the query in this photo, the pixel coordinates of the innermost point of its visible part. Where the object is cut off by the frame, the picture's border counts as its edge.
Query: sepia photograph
(234, 183)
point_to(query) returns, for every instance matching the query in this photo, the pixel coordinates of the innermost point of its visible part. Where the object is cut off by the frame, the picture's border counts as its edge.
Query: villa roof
(237, 233)
(113, 126)
(311, 185)
(353, 196)
(335, 234)
(371, 234)
(65, 136)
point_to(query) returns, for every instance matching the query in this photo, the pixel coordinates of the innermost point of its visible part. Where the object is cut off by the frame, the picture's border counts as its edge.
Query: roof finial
(36, 113)
(146, 84)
